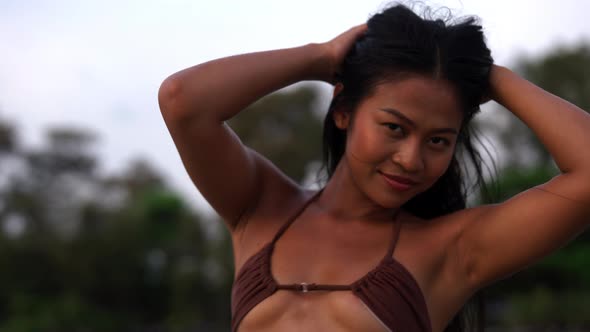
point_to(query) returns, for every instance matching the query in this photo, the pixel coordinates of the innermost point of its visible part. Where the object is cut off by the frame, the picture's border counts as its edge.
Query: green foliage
(284, 127)
(514, 180)
(8, 139)
(564, 72)
(542, 306)
(137, 262)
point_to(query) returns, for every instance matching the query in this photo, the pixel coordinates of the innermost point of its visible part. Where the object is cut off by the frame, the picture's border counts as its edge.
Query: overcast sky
(98, 64)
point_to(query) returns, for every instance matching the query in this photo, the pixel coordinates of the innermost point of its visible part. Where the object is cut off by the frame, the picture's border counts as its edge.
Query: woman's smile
(398, 183)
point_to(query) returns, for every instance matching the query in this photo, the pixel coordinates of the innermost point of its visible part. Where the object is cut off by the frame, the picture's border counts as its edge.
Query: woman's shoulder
(276, 203)
(433, 242)
(258, 226)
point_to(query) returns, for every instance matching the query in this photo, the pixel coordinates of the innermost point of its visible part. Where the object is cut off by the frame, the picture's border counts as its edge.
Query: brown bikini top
(389, 291)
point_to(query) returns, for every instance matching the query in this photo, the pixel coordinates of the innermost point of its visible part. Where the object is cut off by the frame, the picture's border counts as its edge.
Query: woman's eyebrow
(401, 116)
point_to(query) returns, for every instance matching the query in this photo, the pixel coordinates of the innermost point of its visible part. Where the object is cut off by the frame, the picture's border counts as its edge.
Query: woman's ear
(341, 119)
(337, 89)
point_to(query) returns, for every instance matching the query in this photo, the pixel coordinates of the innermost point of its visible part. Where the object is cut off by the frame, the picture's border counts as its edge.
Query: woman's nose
(409, 158)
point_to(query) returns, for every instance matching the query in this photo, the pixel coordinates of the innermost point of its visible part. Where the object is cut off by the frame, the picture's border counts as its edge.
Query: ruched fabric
(393, 295)
(389, 291)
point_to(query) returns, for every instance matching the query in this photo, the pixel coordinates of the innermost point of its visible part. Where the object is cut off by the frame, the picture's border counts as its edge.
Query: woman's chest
(308, 255)
(312, 311)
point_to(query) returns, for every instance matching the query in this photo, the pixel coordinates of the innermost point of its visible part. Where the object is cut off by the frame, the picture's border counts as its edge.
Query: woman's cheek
(367, 147)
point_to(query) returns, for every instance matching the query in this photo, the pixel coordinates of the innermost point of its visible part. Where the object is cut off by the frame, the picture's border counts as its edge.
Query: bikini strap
(294, 216)
(397, 225)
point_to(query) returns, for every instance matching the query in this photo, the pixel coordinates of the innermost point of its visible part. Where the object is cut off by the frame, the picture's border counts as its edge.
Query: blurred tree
(565, 72)
(134, 258)
(8, 139)
(285, 128)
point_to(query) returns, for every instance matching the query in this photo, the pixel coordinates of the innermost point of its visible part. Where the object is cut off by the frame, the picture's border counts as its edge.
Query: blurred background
(100, 226)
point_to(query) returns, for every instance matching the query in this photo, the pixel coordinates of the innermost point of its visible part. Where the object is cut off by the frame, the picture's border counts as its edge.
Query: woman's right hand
(337, 48)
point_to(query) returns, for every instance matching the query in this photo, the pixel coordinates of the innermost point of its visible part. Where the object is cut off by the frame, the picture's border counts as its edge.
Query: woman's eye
(438, 140)
(392, 126)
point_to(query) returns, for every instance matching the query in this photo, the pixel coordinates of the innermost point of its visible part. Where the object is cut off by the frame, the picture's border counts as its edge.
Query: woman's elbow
(169, 94)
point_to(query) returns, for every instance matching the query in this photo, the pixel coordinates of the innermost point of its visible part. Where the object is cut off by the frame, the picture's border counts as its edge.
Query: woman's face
(405, 128)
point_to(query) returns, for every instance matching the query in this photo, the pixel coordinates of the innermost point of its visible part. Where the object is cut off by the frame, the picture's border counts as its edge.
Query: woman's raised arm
(195, 103)
(500, 239)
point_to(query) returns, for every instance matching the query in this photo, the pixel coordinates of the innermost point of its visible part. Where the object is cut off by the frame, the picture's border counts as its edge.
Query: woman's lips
(397, 182)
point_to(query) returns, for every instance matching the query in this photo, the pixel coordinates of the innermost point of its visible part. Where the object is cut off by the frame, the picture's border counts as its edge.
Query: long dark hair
(397, 43)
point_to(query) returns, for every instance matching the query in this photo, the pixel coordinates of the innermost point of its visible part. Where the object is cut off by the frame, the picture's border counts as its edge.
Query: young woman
(387, 244)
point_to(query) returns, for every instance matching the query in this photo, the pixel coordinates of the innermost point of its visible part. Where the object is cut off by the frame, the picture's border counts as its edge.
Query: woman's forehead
(422, 100)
